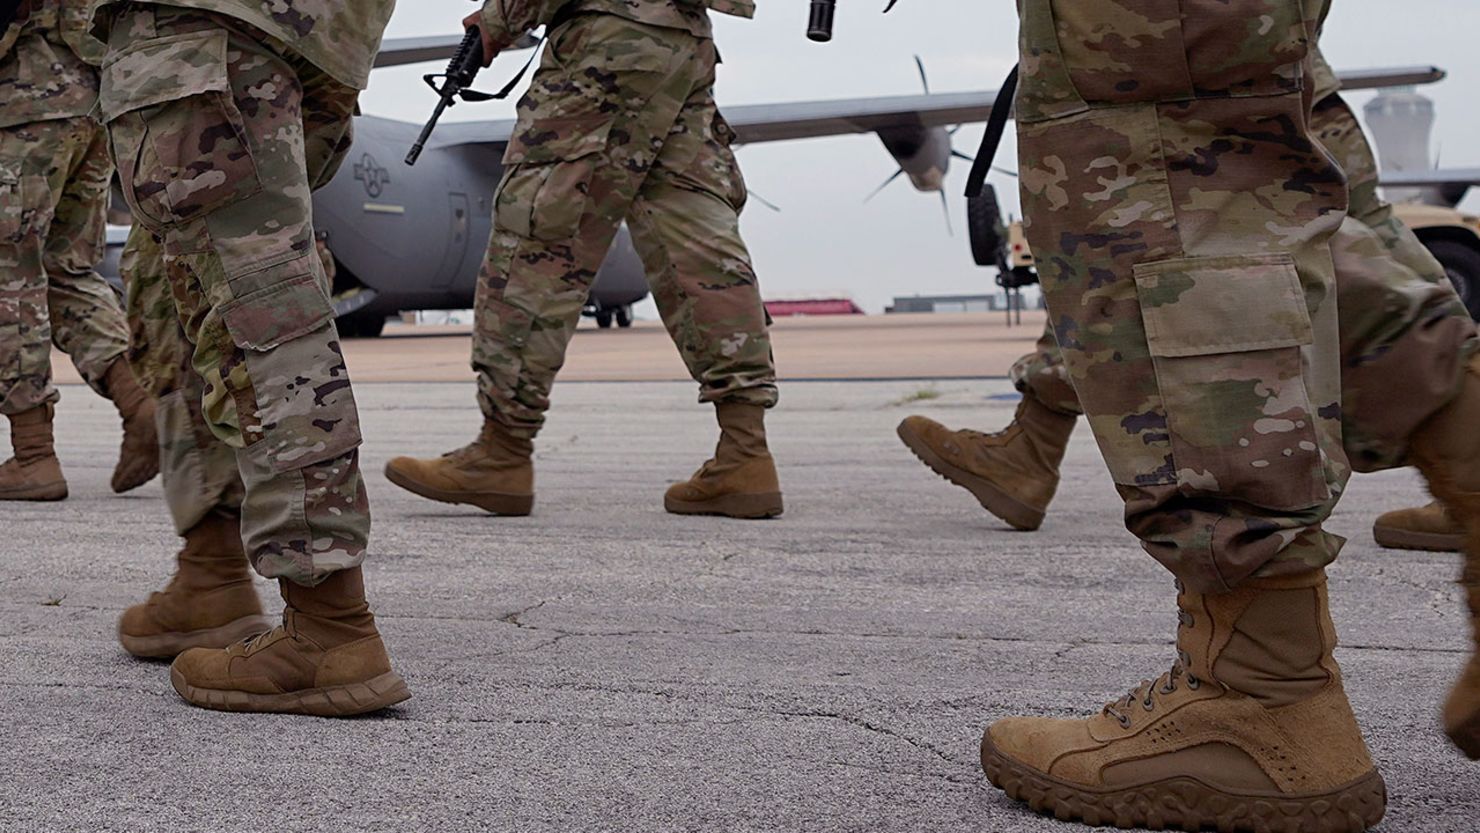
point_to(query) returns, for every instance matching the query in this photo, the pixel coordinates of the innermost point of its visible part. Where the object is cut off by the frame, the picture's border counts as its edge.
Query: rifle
(820, 20)
(455, 83)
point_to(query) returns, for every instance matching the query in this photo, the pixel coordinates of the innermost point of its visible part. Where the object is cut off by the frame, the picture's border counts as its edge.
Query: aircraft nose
(930, 180)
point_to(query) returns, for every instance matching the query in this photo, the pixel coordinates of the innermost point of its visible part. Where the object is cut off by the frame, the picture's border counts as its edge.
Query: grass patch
(925, 394)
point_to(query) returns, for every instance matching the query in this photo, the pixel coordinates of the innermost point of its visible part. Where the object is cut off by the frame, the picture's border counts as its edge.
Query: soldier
(54, 174)
(619, 124)
(1181, 211)
(223, 116)
(1385, 316)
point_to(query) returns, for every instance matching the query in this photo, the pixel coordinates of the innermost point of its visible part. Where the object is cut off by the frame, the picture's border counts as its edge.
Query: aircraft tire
(1461, 262)
(604, 319)
(984, 225)
(361, 325)
(624, 316)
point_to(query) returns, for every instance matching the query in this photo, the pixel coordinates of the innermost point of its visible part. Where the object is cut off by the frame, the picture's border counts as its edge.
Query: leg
(209, 601)
(1204, 353)
(223, 181)
(249, 291)
(686, 226)
(1013, 473)
(27, 396)
(588, 131)
(87, 322)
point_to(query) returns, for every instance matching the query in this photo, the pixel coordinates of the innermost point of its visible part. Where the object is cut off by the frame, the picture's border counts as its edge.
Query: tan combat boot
(1419, 528)
(494, 473)
(325, 659)
(209, 602)
(1446, 449)
(1012, 473)
(34, 473)
(740, 479)
(1250, 731)
(138, 459)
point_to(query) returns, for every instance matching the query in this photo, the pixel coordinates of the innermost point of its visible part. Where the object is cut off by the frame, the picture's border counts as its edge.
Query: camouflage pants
(220, 134)
(53, 192)
(619, 124)
(198, 470)
(1404, 333)
(1181, 213)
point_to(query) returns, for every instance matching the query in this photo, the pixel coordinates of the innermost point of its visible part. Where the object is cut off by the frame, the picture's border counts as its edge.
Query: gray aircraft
(408, 239)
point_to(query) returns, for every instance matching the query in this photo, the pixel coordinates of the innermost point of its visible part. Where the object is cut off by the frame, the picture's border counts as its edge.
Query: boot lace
(472, 449)
(1145, 694)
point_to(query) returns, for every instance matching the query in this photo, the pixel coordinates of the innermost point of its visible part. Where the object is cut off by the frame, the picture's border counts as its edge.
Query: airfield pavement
(603, 666)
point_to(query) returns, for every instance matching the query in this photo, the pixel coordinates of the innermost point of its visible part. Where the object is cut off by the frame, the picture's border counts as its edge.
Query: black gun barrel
(426, 133)
(820, 22)
(461, 71)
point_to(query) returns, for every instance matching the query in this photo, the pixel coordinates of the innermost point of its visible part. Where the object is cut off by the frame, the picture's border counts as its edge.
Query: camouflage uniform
(619, 124)
(223, 116)
(54, 174)
(1191, 293)
(1399, 319)
(198, 470)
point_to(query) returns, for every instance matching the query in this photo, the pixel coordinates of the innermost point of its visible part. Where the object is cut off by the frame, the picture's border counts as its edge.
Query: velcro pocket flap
(1201, 306)
(558, 139)
(164, 69)
(276, 314)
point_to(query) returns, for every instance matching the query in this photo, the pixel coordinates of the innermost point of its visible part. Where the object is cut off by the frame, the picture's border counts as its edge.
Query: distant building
(813, 306)
(958, 303)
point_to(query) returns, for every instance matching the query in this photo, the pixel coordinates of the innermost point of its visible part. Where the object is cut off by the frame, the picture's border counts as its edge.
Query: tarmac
(603, 666)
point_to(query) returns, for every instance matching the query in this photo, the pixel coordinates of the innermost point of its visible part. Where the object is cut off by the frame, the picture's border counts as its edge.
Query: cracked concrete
(603, 666)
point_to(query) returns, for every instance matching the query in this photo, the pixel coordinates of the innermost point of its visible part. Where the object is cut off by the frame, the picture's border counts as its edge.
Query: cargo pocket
(1239, 417)
(304, 410)
(25, 207)
(175, 132)
(548, 185)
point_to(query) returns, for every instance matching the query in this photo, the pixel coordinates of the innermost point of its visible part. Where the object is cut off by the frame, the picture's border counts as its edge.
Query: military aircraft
(407, 239)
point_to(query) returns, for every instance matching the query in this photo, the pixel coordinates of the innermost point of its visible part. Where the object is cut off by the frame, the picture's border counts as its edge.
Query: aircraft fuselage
(417, 236)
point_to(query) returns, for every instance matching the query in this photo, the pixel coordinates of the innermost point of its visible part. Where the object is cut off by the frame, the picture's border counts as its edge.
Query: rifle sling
(992, 139)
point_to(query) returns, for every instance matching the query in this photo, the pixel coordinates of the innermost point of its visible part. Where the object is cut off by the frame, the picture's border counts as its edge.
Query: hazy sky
(827, 241)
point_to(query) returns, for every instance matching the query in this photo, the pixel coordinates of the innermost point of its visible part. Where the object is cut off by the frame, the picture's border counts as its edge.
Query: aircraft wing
(395, 52)
(1376, 79)
(1432, 179)
(799, 120)
(810, 119)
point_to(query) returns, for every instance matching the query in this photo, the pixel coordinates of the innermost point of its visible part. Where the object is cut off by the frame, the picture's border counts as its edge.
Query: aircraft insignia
(374, 177)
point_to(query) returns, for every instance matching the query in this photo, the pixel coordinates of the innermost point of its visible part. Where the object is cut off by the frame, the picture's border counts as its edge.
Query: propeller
(763, 201)
(900, 171)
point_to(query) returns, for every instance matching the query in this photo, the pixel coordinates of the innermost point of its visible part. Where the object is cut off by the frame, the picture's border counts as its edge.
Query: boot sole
(1015, 513)
(1406, 539)
(748, 507)
(1188, 804)
(348, 700)
(495, 502)
(37, 495)
(171, 645)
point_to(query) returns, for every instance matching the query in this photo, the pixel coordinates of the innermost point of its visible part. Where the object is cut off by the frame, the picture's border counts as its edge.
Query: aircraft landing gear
(622, 316)
(361, 324)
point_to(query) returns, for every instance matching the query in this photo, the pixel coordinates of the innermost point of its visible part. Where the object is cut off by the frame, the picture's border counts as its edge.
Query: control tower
(1402, 124)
